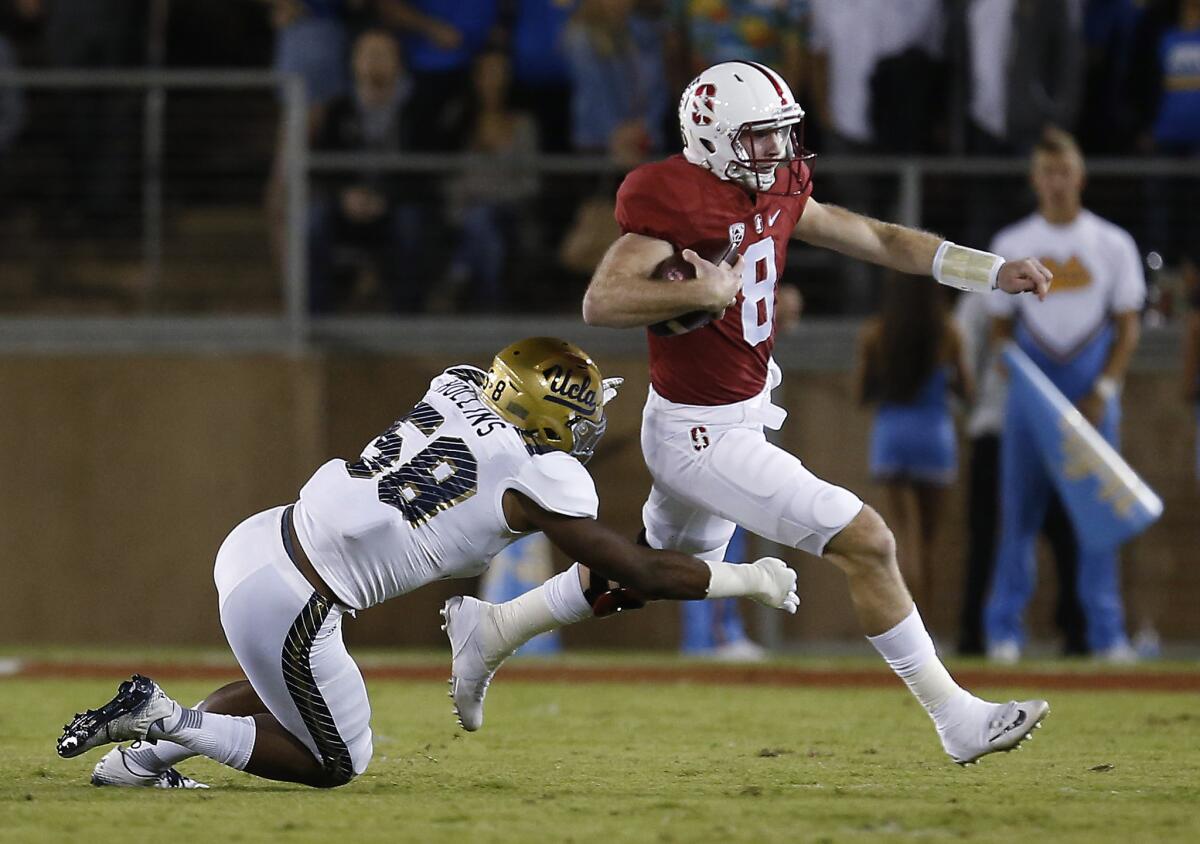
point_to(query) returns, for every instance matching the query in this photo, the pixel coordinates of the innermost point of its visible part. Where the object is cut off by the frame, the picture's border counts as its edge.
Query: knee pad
(817, 513)
(833, 508)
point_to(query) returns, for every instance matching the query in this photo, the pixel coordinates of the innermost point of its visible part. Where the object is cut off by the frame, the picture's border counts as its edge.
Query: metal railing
(147, 154)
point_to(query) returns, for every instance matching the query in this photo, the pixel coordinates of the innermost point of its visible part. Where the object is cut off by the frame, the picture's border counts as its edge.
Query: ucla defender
(482, 459)
(1082, 337)
(744, 171)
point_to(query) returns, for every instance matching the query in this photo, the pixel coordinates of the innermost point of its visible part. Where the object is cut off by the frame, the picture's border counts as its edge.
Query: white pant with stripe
(288, 640)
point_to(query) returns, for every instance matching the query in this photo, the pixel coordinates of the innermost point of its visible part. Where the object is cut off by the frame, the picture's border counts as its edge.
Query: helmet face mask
(551, 391)
(740, 121)
(585, 436)
(766, 154)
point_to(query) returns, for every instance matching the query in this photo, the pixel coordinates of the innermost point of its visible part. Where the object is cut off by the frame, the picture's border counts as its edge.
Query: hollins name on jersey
(582, 395)
(465, 395)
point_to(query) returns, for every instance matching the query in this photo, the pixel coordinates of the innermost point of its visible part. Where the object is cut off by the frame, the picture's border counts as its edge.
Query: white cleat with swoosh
(1000, 727)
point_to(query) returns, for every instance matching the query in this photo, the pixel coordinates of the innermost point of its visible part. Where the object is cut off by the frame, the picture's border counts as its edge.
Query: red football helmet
(740, 120)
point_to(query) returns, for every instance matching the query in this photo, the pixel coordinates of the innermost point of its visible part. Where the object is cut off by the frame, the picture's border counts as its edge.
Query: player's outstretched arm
(887, 244)
(621, 293)
(918, 252)
(658, 575)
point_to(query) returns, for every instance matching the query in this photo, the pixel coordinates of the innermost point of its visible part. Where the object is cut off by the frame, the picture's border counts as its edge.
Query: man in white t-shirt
(482, 459)
(1082, 336)
(984, 425)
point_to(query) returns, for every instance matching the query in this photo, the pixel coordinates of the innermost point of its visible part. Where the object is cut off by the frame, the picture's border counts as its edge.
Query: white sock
(910, 653)
(228, 739)
(564, 596)
(556, 603)
(145, 758)
(142, 757)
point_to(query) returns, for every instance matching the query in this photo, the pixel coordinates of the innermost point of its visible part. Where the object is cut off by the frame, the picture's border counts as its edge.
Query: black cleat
(139, 702)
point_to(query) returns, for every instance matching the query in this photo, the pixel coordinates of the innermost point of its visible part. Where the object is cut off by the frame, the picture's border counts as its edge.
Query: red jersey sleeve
(654, 201)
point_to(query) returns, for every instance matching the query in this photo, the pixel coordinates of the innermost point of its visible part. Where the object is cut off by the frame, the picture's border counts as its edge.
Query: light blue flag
(1107, 500)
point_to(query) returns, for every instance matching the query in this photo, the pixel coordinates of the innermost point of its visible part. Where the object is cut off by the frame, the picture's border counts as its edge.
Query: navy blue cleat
(139, 702)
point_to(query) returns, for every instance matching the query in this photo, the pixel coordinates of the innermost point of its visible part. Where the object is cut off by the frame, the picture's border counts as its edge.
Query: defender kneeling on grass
(483, 458)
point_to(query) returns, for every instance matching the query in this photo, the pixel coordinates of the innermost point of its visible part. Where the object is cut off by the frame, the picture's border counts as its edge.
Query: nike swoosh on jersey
(771, 220)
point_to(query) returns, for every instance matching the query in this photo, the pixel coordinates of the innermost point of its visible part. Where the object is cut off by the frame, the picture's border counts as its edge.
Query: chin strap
(608, 598)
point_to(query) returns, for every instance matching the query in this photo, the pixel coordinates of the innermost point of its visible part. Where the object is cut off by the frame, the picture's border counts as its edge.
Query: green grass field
(645, 762)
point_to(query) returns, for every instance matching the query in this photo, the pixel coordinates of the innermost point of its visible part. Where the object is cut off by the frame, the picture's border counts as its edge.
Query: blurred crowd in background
(935, 76)
(514, 80)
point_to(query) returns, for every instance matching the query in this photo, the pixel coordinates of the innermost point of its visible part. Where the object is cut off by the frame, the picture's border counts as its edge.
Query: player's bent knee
(335, 776)
(866, 541)
(341, 770)
(877, 540)
(334, 779)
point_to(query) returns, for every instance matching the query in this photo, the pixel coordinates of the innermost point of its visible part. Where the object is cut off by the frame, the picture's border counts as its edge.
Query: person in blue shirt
(311, 40)
(911, 361)
(619, 95)
(1176, 127)
(541, 76)
(441, 39)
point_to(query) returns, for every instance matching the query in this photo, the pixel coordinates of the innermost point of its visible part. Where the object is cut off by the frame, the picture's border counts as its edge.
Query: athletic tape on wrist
(725, 580)
(729, 580)
(965, 268)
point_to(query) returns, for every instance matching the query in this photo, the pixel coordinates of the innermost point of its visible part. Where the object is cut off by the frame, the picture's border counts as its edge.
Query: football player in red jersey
(743, 175)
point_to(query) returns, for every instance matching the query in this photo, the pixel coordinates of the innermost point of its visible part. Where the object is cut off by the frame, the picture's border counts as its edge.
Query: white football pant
(288, 640)
(713, 469)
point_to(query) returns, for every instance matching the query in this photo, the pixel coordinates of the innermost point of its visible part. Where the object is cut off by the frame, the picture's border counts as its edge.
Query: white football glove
(609, 387)
(778, 589)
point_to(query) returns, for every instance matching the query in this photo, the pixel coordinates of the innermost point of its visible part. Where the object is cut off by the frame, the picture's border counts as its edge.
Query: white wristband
(965, 268)
(1106, 387)
(732, 580)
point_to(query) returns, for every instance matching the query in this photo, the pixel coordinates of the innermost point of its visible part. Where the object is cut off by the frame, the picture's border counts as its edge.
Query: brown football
(675, 268)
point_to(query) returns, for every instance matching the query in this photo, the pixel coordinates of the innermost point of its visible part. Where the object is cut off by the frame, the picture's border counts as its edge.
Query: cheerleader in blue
(911, 361)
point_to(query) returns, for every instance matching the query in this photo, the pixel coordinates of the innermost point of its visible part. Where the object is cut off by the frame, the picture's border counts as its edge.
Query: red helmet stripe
(767, 72)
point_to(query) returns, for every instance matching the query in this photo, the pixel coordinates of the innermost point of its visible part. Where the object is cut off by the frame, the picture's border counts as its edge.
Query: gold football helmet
(552, 391)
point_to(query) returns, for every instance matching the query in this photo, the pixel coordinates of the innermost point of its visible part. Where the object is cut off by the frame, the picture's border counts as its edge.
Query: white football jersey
(423, 502)
(1097, 273)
